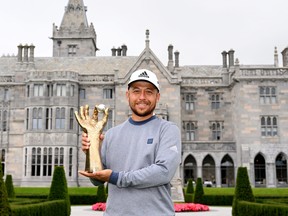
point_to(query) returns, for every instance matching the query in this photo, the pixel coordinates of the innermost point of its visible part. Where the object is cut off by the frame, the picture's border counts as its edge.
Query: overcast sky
(199, 29)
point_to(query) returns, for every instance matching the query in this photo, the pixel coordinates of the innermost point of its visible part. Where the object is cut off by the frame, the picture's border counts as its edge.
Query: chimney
(285, 57)
(31, 57)
(170, 58)
(20, 48)
(119, 51)
(224, 57)
(25, 53)
(124, 50)
(176, 53)
(231, 57)
(113, 51)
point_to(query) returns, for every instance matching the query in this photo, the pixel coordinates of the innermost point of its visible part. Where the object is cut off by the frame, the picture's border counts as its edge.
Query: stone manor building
(230, 115)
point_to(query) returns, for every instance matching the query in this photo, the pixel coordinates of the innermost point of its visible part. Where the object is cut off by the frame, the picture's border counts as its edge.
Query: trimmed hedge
(9, 186)
(48, 208)
(256, 209)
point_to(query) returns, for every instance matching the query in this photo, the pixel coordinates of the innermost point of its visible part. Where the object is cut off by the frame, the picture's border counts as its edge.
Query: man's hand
(86, 141)
(102, 175)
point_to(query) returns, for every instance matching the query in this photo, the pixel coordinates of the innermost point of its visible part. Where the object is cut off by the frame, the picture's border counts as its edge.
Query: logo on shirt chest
(150, 141)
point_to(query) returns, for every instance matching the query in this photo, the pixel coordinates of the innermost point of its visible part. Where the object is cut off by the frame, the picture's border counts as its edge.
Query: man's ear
(158, 97)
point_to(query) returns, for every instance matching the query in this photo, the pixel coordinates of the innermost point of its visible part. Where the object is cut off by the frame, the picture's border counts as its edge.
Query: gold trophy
(93, 128)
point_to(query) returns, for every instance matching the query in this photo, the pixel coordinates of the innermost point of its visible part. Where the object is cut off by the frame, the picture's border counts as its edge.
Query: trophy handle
(93, 128)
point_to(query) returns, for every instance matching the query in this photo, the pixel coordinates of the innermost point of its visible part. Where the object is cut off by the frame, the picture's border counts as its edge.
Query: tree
(59, 189)
(9, 186)
(199, 191)
(243, 190)
(5, 209)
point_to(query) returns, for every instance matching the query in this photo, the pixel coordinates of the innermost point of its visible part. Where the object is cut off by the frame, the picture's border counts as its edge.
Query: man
(140, 156)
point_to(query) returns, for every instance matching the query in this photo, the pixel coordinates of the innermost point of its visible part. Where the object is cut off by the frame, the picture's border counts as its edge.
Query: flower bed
(179, 207)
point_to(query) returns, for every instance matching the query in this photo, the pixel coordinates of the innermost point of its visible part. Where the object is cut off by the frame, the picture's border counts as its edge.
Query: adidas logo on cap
(144, 74)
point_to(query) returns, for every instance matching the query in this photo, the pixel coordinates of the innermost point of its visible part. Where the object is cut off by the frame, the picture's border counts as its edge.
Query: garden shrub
(243, 190)
(101, 195)
(199, 191)
(190, 187)
(5, 209)
(59, 189)
(9, 186)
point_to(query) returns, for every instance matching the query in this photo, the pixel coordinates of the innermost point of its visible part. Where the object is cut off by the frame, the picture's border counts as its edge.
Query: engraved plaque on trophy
(93, 128)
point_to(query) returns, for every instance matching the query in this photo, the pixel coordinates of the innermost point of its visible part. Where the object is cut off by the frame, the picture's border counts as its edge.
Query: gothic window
(216, 129)
(36, 162)
(215, 101)
(49, 90)
(61, 90)
(72, 89)
(37, 118)
(107, 93)
(38, 90)
(47, 161)
(72, 50)
(59, 156)
(60, 118)
(267, 95)
(25, 161)
(269, 126)
(6, 94)
(27, 119)
(70, 162)
(4, 120)
(190, 130)
(44, 160)
(48, 119)
(281, 169)
(71, 119)
(259, 170)
(189, 102)
(3, 161)
(82, 93)
(28, 90)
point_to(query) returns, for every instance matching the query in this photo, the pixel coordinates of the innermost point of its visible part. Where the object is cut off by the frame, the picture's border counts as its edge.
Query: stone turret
(74, 37)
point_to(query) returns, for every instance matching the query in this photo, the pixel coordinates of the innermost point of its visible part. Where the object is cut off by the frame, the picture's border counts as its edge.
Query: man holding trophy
(139, 156)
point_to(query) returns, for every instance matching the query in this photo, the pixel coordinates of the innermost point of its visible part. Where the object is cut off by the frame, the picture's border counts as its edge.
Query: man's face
(142, 97)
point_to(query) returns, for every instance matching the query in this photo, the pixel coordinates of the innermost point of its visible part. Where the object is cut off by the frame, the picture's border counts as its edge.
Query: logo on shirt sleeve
(150, 141)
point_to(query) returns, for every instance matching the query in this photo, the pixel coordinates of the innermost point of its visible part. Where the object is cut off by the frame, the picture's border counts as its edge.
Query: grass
(208, 191)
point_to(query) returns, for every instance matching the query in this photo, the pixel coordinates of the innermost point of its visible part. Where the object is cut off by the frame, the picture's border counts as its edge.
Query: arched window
(190, 169)
(260, 171)
(281, 169)
(227, 172)
(208, 169)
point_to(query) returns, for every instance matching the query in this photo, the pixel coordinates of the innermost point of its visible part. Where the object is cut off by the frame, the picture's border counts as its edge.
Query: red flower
(179, 207)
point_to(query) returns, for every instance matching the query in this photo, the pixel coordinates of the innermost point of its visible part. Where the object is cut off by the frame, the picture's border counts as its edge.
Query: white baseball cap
(144, 75)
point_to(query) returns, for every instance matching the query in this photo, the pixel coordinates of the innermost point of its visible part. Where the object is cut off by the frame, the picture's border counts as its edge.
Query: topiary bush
(59, 189)
(9, 186)
(5, 209)
(199, 191)
(243, 190)
(101, 194)
(190, 188)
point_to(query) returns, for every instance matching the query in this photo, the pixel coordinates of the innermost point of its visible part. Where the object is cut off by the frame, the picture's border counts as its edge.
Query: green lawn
(211, 191)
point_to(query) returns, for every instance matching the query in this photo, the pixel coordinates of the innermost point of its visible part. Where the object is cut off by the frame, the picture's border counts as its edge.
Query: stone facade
(230, 115)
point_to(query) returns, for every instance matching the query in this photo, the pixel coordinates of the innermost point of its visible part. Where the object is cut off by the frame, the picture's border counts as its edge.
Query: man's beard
(146, 113)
